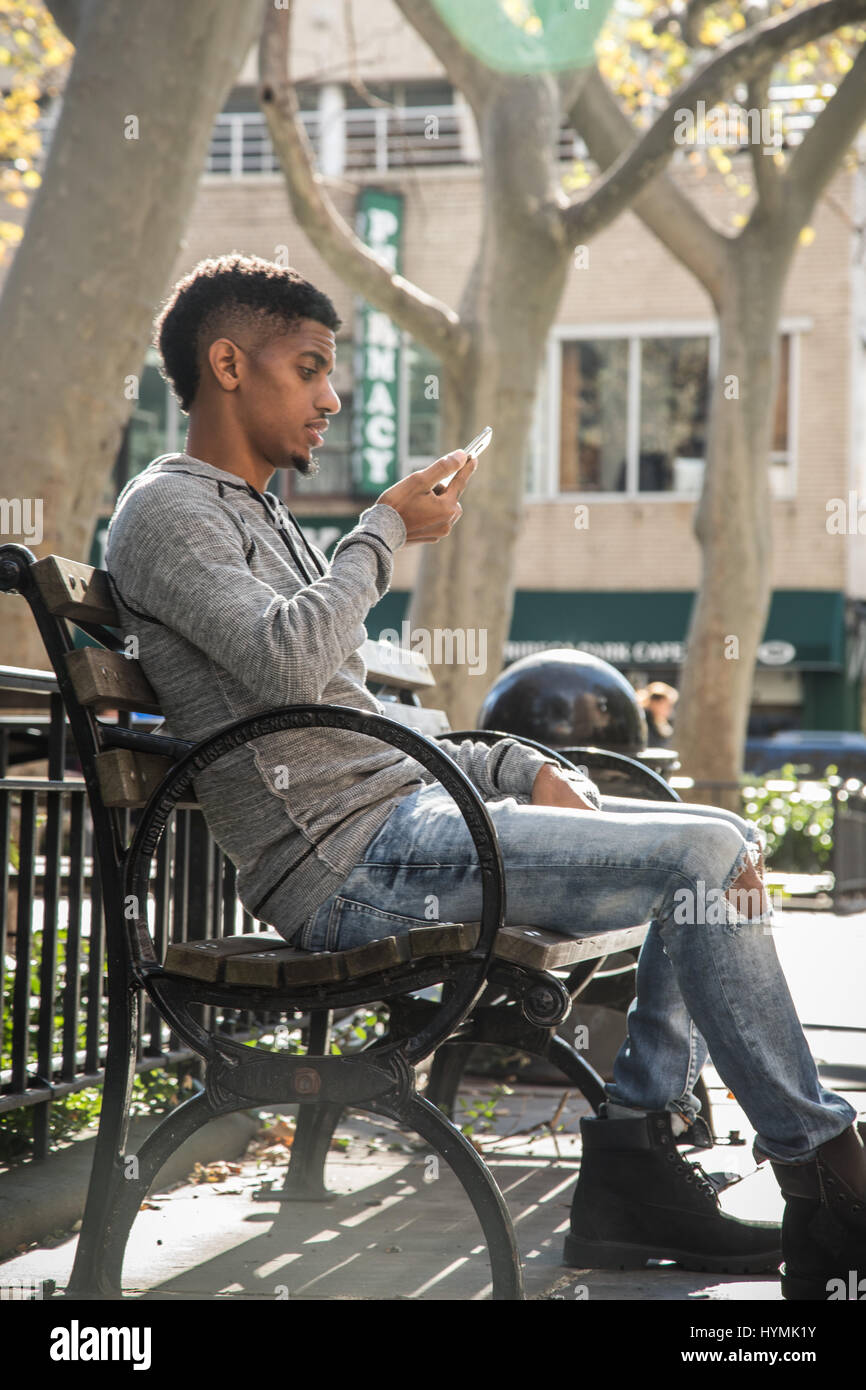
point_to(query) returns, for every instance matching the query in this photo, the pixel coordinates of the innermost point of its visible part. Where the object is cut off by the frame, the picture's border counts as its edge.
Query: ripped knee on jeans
(748, 895)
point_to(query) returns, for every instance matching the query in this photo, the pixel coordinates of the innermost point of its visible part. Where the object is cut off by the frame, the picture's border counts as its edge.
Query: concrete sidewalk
(402, 1228)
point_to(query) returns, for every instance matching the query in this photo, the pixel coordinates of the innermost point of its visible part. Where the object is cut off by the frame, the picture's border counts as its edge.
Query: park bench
(501, 985)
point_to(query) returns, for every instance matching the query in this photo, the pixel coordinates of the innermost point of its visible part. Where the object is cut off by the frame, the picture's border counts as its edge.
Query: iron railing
(392, 137)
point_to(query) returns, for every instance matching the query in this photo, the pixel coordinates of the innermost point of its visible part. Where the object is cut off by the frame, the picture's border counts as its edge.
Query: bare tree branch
(355, 78)
(768, 177)
(663, 206)
(426, 318)
(814, 162)
(690, 23)
(739, 60)
(474, 78)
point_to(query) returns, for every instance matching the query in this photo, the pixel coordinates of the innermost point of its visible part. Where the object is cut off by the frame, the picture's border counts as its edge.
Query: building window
(674, 405)
(592, 440)
(424, 378)
(632, 412)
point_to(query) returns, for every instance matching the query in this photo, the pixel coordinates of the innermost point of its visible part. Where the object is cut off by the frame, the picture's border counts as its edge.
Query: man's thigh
(572, 871)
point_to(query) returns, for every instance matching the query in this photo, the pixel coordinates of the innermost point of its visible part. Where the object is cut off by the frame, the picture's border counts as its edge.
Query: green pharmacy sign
(378, 350)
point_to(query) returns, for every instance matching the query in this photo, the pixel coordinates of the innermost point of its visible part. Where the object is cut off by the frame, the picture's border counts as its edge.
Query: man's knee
(748, 895)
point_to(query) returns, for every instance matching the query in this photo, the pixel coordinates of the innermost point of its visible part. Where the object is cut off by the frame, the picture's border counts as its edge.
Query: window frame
(783, 468)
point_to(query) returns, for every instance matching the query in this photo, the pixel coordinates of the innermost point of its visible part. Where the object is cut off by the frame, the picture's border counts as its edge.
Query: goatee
(307, 466)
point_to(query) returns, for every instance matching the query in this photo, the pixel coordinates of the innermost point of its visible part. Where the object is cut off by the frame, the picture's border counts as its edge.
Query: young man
(339, 840)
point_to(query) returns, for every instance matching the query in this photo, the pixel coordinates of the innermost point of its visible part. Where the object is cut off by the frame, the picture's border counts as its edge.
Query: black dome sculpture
(566, 698)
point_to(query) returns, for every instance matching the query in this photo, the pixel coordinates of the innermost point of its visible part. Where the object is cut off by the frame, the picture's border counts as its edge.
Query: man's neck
(221, 449)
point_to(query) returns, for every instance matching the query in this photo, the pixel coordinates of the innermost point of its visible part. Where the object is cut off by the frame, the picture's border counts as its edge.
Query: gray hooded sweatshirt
(235, 613)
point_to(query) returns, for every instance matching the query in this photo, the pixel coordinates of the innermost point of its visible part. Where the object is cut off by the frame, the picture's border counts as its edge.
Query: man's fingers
(461, 477)
(435, 472)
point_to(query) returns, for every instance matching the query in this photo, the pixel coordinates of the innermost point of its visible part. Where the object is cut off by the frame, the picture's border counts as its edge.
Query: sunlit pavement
(403, 1228)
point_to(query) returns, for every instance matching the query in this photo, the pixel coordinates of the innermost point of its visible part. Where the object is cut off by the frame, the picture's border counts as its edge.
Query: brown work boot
(824, 1226)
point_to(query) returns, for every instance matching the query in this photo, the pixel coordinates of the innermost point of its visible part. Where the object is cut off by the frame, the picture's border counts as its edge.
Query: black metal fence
(52, 925)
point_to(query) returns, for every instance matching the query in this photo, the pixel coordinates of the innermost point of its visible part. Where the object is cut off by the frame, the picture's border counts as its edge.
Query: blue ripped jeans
(708, 979)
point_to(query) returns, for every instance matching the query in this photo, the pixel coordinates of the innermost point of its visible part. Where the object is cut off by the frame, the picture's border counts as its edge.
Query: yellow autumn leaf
(807, 236)
(739, 219)
(31, 179)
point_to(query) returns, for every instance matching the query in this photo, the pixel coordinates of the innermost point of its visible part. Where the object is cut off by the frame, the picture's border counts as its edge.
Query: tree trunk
(99, 247)
(732, 520)
(509, 305)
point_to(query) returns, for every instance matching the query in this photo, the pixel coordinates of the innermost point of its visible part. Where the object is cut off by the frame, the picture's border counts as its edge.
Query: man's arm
(509, 768)
(184, 565)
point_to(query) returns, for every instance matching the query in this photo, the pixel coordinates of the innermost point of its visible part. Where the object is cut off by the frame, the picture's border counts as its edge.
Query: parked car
(810, 750)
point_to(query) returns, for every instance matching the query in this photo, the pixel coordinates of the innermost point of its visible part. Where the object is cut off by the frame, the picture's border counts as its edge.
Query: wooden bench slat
(127, 779)
(443, 939)
(284, 965)
(431, 722)
(267, 962)
(106, 680)
(398, 667)
(547, 950)
(73, 590)
(204, 960)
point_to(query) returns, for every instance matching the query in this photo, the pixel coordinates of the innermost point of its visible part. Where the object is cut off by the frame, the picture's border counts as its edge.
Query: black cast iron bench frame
(503, 985)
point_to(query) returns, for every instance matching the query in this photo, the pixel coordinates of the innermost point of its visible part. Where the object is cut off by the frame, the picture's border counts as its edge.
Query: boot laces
(694, 1173)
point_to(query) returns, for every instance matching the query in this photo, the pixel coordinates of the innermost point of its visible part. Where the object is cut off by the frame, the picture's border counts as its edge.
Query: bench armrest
(178, 780)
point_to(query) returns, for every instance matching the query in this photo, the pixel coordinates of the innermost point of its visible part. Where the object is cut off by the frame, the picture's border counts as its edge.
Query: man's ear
(227, 363)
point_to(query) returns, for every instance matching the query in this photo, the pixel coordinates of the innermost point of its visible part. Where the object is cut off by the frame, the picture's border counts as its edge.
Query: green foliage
(798, 822)
(480, 1114)
(153, 1093)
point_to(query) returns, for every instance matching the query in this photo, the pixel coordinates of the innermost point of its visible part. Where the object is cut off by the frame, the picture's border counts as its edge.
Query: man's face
(286, 396)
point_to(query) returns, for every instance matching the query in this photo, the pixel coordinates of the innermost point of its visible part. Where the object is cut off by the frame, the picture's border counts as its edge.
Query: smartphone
(479, 443)
(475, 447)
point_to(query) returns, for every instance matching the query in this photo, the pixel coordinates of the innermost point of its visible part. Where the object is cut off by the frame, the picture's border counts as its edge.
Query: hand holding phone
(475, 447)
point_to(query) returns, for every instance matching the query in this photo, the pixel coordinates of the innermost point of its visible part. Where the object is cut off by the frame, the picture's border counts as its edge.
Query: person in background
(657, 701)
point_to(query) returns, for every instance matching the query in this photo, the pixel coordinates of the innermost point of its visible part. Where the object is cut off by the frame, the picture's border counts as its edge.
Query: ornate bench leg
(577, 1070)
(305, 1179)
(130, 1191)
(107, 1174)
(446, 1073)
(480, 1187)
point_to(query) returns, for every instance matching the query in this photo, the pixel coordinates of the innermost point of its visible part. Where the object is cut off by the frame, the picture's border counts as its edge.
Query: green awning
(805, 630)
